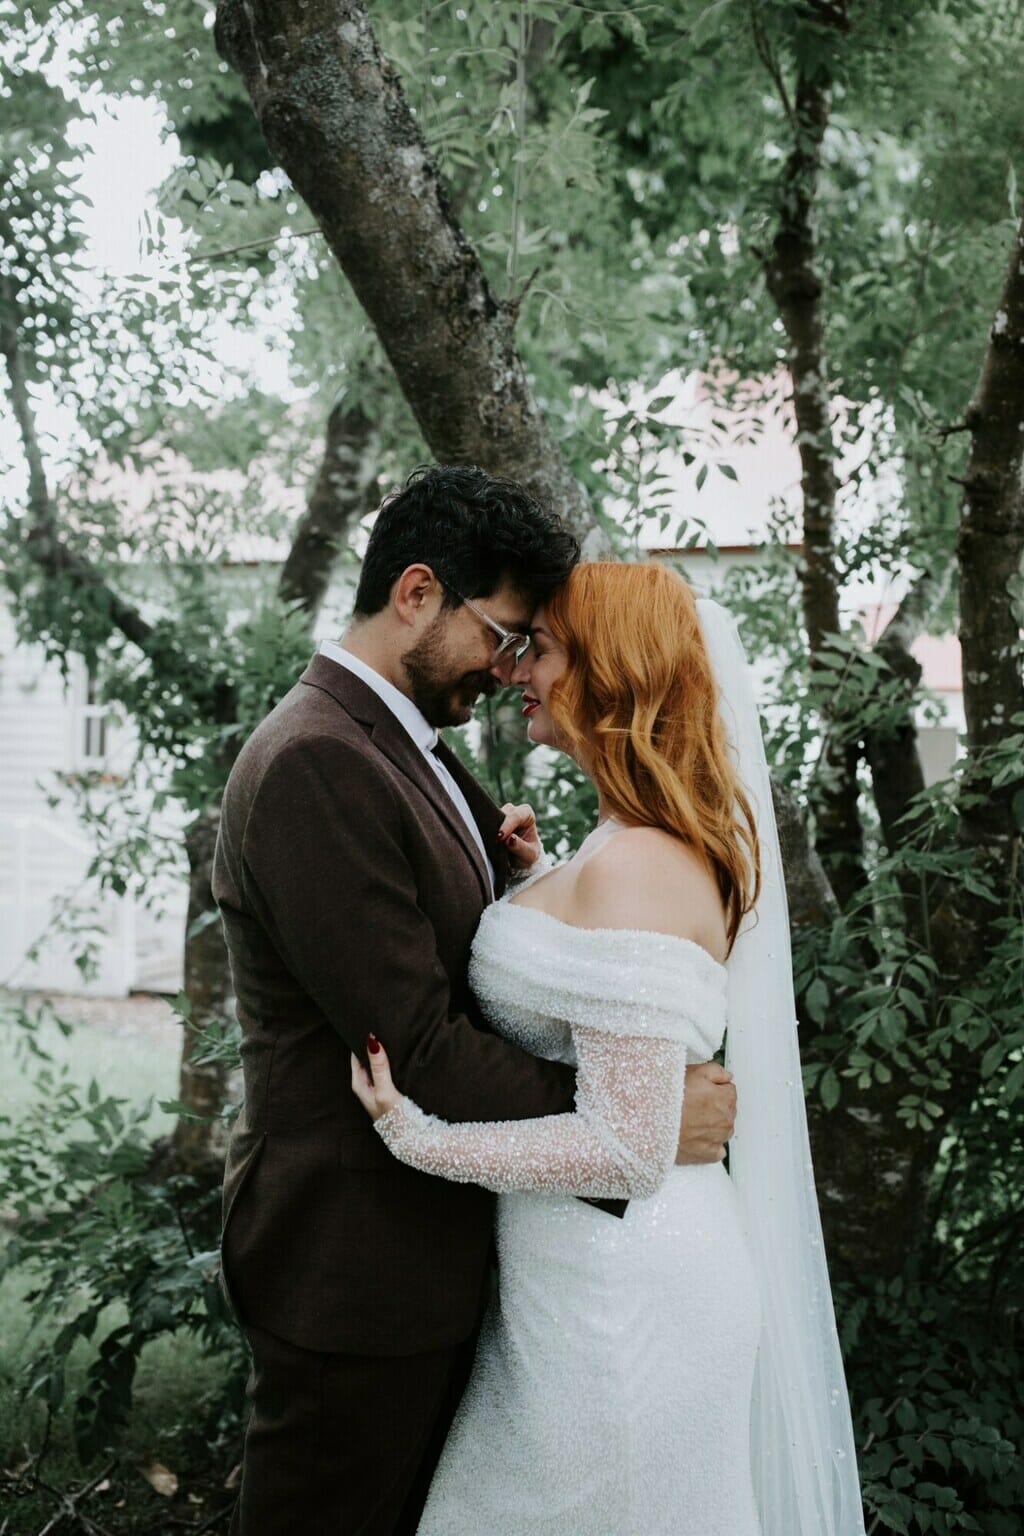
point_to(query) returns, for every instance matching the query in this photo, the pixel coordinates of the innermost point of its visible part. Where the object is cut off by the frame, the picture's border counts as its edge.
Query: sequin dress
(611, 1390)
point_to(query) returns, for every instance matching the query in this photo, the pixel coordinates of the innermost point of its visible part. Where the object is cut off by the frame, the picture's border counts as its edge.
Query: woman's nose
(520, 673)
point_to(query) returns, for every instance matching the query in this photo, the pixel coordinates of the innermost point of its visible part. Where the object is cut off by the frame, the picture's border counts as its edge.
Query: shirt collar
(402, 707)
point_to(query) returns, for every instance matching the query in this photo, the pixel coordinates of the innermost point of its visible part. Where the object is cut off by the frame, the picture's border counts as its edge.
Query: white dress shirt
(416, 726)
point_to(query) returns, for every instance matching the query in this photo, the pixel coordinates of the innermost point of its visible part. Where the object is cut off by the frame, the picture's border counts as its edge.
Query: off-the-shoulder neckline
(652, 933)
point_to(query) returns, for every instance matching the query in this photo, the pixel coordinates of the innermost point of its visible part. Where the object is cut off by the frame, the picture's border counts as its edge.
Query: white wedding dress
(678, 1372)
(611, 1392)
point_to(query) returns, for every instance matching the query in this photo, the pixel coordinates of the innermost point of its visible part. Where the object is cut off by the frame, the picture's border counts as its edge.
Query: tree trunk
(792, 278)
(198, 1144)
(810, 898)
(891, 749)
(873, 1180)
(334, 113)
(871, 1170)
(872, 1174)
(990, 548)
(339, 498)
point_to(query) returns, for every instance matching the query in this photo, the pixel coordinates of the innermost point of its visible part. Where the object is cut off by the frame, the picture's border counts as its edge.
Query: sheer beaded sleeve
(620, 1142)
(638, 1005)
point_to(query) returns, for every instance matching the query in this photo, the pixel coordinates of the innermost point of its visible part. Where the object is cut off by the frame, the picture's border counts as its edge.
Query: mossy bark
(334, 114)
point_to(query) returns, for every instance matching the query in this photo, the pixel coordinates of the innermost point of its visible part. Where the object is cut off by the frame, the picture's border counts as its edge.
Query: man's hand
(709, 1114)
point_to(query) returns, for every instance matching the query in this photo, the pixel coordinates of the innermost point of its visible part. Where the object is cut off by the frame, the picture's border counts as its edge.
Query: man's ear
(412, 593)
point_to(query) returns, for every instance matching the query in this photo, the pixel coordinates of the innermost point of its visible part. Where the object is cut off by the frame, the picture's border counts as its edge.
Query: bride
(676, 1373)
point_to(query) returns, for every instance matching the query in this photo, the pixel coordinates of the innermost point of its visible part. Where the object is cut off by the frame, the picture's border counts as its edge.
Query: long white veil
(803, 1454)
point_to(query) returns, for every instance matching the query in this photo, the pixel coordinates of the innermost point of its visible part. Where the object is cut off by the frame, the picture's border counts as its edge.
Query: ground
(169, 1476)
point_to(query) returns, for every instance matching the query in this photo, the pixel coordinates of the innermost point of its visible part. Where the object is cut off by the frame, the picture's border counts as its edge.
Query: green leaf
(200, 924)
(816, 1000)
(992, 1059)
(1015, 1081)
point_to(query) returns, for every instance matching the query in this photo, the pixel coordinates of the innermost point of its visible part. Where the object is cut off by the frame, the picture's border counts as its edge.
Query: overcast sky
(125, 158)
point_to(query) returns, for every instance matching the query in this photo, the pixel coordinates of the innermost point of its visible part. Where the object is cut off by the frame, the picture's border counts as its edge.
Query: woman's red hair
(638, 707)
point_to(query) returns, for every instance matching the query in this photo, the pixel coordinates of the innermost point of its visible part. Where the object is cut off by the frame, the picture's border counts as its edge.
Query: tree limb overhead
(336, 502)
(44, 541)
(334, 113)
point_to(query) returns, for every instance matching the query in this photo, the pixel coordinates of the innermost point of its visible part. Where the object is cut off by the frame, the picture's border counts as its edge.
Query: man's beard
(441, 698)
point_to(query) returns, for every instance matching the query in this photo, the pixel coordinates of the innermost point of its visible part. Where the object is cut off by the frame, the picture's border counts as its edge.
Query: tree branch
(333, 112)
(44, 542)
(38, 491)
(252, 245)
(337, 501)
(48, 549)
(771, 64)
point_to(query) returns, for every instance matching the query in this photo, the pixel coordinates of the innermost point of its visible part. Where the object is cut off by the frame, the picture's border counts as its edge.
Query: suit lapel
(391, 738)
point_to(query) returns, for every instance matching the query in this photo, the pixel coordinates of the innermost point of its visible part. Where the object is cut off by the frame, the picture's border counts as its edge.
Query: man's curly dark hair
(474, 530)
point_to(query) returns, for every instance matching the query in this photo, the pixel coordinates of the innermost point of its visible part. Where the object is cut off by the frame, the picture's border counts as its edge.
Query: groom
(355, 858)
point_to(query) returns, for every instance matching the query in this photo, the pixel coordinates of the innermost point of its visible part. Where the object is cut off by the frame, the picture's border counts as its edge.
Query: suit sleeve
(324, 859)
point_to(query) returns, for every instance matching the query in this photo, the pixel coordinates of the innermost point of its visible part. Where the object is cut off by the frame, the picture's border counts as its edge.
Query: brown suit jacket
(350, 890)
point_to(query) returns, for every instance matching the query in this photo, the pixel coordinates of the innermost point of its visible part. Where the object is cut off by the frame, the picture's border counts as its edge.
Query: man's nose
(504, 669)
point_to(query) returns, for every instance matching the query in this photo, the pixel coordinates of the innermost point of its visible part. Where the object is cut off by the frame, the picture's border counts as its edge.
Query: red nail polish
(372, 1044)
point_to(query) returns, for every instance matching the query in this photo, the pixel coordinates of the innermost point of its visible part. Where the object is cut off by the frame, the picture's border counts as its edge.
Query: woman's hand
(375, 1089)
(519, 837)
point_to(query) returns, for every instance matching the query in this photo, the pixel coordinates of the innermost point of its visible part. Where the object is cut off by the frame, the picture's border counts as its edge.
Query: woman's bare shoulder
(648, 879)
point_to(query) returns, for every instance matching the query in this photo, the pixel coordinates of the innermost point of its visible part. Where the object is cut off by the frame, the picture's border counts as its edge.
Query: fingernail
(513, 838)
(372, 1044)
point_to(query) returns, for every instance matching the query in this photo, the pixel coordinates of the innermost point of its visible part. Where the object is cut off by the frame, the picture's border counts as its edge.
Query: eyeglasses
(511, 644)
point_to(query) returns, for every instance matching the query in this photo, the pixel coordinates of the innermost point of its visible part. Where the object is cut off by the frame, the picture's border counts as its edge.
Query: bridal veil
(803, 1454)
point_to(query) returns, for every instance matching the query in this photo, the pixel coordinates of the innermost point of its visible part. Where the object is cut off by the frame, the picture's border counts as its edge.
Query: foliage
(96, 1221)
(940, 1409)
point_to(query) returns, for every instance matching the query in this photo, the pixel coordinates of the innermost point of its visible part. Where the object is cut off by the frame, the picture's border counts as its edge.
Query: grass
(132, 1064)
(177, 1388)
(179, 1391)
